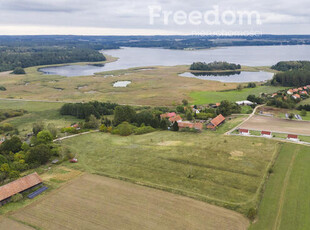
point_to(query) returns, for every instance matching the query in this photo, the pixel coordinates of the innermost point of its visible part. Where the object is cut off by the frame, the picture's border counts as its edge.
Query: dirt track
(272, 124)
(96, 202)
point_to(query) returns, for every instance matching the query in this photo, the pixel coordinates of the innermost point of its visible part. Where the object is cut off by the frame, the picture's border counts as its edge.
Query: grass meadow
(226, 171)
(207, 97)
(46, 112)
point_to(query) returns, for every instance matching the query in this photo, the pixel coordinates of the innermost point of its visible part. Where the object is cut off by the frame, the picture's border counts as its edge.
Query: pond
(143, 57)
(121, 84)
(231, 77)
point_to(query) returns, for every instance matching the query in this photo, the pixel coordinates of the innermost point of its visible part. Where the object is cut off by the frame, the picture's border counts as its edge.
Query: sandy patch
(170, 143)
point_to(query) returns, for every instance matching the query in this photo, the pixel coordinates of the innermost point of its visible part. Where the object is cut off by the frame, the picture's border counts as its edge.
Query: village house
(296, 96)
(216, 122)
(18, 186)
(172, 117)
(290, 92)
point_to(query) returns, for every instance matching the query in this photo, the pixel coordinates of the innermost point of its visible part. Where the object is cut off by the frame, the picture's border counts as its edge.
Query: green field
(226, 171)
(45, 112)
(207, 97)
(286, 200)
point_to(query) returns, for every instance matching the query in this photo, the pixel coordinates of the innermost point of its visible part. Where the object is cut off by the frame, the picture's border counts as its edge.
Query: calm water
(232, 77)
(121, 84)
(140, 57)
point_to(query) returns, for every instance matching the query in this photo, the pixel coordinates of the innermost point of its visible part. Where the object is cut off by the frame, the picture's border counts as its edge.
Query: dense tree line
(304, 107)
(11, 58)
(84, 110)
(294, 78)
(296, 73)
(291, 65)
(214, 66)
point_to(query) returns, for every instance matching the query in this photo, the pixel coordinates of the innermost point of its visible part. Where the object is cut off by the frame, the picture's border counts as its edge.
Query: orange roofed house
(216, 122)
(18, 186)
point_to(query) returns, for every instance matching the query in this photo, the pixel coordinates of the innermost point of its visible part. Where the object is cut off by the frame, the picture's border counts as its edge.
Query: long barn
(18, 186)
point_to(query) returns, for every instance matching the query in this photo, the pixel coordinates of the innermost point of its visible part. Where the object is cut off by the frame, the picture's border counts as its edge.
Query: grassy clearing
(46, 112)
(96, 202)
(207, 97)
(284, 204)
(223, 171)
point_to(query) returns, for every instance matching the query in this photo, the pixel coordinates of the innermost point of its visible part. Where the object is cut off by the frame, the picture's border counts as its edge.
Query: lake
(243, 76)
(141, 57)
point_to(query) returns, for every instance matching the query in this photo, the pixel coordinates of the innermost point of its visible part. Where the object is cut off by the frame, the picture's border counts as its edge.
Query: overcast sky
(132, 17)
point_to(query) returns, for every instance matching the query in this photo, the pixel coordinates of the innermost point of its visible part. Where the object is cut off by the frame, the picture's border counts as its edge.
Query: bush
(17, 197)
(125, 129)
(69, 130)
(252, 213)
(2, 88)
(19, 70)
(144, 130)
(303, 113)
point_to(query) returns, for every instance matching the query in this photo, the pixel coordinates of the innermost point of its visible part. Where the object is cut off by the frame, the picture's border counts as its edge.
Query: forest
(296, 73)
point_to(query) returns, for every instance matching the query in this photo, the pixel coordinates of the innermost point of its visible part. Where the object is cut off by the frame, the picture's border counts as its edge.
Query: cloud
(276, 15)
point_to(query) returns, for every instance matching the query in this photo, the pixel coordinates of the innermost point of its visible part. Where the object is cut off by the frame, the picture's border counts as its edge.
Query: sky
(153, 17)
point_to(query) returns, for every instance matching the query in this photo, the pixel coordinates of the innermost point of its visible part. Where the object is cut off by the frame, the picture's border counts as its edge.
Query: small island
(214, 66)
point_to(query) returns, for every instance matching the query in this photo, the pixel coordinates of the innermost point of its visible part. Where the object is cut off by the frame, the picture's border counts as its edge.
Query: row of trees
(84, 110)
(214, 66)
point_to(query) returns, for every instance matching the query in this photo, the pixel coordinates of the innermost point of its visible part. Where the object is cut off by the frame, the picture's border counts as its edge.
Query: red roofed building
(296, 96)
(190, 125)
(216, 122)
(18, 186)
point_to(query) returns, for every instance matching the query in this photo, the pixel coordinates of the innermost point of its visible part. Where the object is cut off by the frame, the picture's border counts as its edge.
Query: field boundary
(283, 190)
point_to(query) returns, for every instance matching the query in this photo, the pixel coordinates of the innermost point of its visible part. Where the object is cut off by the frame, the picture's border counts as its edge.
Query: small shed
(292, 137)
(244, 131)
(266, 134)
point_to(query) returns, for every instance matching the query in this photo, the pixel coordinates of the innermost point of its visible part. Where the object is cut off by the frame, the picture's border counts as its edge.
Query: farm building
(216, 122)
(266, 134)
(187, 124)
(246, 102)
(292, 137)
(244, 131)
(18, 186)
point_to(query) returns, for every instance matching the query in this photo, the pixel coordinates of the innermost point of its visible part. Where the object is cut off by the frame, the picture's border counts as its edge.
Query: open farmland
(273, 124)
(8, 224)
(285, 204)
(226, 171)
(96, 202)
